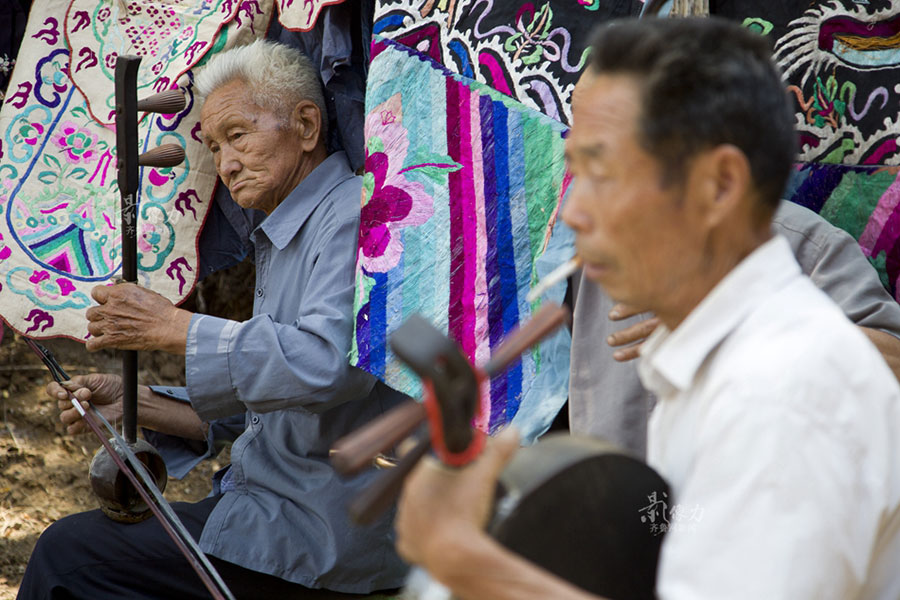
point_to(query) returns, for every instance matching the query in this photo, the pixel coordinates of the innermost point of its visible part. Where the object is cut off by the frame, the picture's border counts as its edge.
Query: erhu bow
(133, 467)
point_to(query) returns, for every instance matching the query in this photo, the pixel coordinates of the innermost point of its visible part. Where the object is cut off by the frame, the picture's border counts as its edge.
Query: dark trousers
(88, 556)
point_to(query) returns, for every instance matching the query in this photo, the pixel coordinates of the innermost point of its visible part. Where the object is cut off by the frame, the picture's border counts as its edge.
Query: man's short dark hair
(704, 82)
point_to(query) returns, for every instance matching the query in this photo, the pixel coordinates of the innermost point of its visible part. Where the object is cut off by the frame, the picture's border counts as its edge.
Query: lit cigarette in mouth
(555, 276)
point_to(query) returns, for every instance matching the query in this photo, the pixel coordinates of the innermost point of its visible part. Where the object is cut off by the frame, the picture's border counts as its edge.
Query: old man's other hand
(104, 391)
(129, 317)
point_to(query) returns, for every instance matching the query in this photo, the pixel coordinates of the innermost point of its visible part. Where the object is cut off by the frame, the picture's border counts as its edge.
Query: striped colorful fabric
(862, 200)
(461, 190)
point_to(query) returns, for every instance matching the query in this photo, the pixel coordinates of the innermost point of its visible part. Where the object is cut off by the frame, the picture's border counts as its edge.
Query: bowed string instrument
(127, 473)
(574, 506)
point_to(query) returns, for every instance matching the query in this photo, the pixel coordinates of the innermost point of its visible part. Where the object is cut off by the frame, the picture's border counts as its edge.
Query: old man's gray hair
(277, 75)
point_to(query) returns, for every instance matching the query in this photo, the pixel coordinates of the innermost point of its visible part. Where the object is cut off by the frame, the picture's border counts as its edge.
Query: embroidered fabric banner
(496, 162)
(532, 51)
(461, 189)
(841, 61)
(171, 36)
(865, 202)
(300, 15)
(59, 201)
(13, 17)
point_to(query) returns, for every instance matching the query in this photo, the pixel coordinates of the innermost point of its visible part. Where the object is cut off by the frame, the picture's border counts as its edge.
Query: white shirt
(777, 429)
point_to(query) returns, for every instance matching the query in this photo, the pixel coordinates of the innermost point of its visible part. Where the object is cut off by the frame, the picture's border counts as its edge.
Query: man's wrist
(148, 402)
(170, 415)
(173, 337)
(448, 553)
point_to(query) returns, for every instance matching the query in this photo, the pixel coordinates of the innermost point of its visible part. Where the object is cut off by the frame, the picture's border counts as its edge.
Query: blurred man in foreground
(775, 414)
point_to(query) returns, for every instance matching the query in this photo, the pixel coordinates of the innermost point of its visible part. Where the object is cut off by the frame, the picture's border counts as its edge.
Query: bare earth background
(44, 472)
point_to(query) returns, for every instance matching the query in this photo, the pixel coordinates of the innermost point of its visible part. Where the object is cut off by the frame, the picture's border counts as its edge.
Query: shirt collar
(288, 217)
(670, 359)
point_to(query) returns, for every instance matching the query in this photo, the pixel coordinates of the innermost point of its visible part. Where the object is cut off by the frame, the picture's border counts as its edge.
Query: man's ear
(723, 179)
(307, 122)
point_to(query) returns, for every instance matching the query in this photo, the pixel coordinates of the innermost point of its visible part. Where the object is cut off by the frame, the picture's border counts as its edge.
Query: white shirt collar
(670, 359)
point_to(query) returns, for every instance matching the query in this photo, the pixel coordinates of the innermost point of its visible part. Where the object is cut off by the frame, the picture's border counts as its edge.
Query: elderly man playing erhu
(278, 384)
(775, 415)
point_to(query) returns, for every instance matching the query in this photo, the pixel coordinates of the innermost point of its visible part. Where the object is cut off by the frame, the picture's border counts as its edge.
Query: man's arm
(264, 365)
(628, 341)
(167, 419)
(476, 567)
(835, 263)
(155, 411)
(440, 526)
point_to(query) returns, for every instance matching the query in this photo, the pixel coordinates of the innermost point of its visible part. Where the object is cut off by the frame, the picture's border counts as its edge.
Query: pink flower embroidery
(149, 238)
(31, 133)
(65, 286)
(5, 252)
(76, 143)
(38, 276)
(390, 201)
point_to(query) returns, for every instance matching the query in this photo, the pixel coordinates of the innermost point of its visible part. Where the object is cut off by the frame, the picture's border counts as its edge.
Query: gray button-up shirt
(286, 373)
(607, 400)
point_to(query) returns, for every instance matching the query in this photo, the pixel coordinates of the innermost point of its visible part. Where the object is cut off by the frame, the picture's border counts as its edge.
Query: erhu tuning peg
(170, 101)
(167, 155)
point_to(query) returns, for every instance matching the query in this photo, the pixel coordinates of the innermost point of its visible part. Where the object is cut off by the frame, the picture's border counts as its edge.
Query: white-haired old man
(279, 384)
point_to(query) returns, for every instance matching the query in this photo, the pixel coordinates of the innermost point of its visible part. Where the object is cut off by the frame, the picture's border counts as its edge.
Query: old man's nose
(228, 163)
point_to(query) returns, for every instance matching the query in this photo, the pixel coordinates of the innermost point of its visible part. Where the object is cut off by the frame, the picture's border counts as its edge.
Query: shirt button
(254, 420)
(259, 292)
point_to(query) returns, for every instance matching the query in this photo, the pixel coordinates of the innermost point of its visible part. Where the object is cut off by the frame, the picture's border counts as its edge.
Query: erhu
(128, 474)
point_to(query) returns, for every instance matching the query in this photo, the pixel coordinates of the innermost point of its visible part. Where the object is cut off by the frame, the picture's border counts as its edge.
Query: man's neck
(726, 251)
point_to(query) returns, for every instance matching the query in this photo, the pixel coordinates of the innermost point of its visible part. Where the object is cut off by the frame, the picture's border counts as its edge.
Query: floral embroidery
(529, 40)
(76, 143)
(30, 133)
(149, 239)
(390, 201)
(5, 251)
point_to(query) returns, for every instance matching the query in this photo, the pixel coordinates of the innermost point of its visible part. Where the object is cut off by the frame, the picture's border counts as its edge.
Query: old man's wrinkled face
(257, 153)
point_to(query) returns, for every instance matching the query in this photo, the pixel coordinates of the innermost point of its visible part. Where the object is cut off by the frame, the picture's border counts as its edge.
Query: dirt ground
(44, 472)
